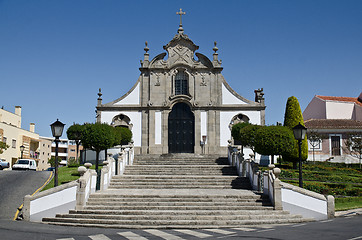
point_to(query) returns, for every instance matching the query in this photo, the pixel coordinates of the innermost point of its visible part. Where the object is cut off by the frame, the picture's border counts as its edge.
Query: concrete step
(204, 204)
(181, 162)
(178, 217)
(175, 177)
(268, 212)
(176, 191)
(237, 196)
(176, 208)
(225, 201)
(180, 187)
(171, 224)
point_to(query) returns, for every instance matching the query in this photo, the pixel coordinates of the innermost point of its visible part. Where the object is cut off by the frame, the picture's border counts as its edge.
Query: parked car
(51, 169)
(4, 164)
(25, 164)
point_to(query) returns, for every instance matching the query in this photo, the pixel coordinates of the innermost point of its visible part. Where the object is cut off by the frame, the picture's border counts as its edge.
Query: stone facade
(179, 99)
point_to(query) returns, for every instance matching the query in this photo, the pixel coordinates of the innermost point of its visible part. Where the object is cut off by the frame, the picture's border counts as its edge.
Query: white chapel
(181, 103)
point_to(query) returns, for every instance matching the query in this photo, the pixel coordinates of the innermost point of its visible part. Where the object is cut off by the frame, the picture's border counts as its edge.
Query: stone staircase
(180, 191)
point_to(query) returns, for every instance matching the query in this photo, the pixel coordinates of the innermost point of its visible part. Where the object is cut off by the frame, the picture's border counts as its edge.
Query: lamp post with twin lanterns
(57, 131)
(299, 132)
(22, 148)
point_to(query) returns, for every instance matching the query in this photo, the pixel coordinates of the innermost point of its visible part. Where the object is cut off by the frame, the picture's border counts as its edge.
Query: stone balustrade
(75, 194)
(283, 196)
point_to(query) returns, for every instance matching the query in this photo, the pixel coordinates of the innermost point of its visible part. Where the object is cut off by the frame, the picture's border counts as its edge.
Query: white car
(25, 164)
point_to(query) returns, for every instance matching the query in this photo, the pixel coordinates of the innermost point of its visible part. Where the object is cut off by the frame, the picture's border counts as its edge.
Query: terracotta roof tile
(333, 124)
(341, 99)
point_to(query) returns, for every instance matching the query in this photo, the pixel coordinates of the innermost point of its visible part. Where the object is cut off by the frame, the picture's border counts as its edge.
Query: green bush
(273, 140)
(293, 116)
(123, 135)
(235, 130)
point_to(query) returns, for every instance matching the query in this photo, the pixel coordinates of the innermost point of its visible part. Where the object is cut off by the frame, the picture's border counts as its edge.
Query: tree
(293, 116)
(122, 135)
(274, 140)
(98, 137)
(236, 128)
(51, 161)
(248, 136)
(315, 139)
(75, 132)
(3, 147)
(354, 145)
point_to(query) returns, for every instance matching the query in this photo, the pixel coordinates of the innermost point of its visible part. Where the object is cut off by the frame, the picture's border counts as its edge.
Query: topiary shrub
(248, 136)
(273, 140)
(293, 116)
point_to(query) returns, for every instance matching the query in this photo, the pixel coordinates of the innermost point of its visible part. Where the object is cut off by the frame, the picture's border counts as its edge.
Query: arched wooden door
(181, 129)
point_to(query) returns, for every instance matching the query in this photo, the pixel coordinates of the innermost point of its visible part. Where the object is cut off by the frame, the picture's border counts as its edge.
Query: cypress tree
(293, 116)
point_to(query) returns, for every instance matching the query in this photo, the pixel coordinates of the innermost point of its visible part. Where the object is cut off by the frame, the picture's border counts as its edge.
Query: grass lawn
(342, 181)
(348, 203)
(65, 175)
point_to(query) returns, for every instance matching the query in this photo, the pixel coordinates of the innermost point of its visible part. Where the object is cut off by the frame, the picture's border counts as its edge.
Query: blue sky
(54, 55)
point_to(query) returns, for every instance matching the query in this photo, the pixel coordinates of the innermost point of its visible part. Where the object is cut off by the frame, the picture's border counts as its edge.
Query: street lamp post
(299, 132)
(22, 148)
(57, 131)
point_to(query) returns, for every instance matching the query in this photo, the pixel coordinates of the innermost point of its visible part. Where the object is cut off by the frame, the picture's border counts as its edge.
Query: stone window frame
(187, 74)
(125, 121)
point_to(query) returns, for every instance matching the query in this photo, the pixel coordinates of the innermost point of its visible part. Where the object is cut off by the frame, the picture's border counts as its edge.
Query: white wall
(308, 206)
(229, 98)
(225, 119)
(136, 120)
(158, 127)
(203, 124)
(338, 110)
(132, 99)
(58, 202)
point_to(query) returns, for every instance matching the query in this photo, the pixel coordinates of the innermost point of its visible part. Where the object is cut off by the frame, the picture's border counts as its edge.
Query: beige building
(45, 153)
(14, 136)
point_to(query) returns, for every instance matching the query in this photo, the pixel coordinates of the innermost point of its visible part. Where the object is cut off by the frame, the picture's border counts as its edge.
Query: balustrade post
(277, 190)
(81, 189)
(120, 163)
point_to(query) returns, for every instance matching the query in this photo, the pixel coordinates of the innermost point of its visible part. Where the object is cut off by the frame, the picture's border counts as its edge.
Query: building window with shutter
(13, 143)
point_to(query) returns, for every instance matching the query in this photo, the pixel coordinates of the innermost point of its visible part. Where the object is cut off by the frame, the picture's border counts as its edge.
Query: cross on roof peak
(180, 13)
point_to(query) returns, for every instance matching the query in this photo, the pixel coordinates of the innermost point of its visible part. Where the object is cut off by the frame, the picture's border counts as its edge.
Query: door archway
(181, 129)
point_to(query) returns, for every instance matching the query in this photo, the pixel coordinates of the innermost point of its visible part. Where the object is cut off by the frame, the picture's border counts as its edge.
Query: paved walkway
(351, 212)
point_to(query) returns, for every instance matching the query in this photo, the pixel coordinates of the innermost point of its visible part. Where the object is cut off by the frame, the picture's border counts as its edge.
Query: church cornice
(240, 107)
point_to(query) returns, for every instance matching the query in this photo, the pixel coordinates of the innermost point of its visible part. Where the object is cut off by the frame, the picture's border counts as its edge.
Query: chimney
(18, 110)
(32, 127)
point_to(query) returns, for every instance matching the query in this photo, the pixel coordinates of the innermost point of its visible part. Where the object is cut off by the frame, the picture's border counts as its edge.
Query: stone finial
(82, 170)
(146, 47)
(215, 48)
(277, 172)
(215, 55)
(87, 165)
(271, 166)
(99, 97)
(146, 60)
